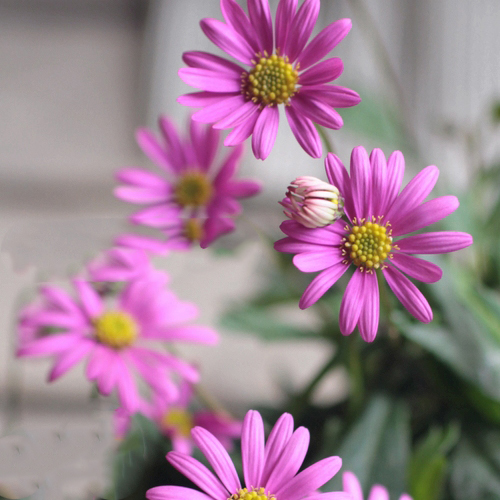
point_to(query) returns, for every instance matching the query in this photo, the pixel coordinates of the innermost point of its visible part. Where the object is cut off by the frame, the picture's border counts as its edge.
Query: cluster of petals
(178, 428)
(178, 157)
(60, 326)
(377, 492)
(269, 467)
(247, 38)
(372, 193)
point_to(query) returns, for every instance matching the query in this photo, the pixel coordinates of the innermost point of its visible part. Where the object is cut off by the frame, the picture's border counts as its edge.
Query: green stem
(356, 376)
(326, 140)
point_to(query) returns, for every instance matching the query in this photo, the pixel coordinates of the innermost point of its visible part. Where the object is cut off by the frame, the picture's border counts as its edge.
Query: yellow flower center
(193, 230)
(273, 80)
(193, 190)
(368, 245)
(116, 329)
(252, 494)
(178, 421)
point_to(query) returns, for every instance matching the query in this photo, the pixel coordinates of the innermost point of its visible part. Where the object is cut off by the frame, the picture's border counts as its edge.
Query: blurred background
(78, 76)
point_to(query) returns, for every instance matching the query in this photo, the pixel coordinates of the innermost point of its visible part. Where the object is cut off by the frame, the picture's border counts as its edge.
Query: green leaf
(376, 448)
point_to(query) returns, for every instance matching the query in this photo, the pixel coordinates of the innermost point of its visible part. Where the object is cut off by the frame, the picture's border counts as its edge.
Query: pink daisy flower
(193, 200)
(269, 469)
(175, 420)
(378, 492)
(114, 337)
(282, 70)
(377, 214)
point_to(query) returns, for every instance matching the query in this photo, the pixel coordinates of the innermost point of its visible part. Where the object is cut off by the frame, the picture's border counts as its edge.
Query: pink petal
(239, 115)
(426, 214)
(413, 194)
(108, 379)
(242, 188)
(228, 40)
(317, 111)
(379, 180)
(361, 183)
(323, 72)
(220, 109)
(378, 492)
(46, 346)
(321, 284)
(265, 131)
(209, 80)
(191, 333)
(252, 447)
(205, 141)
(199, 475)
(435, 242)
(142, 178)
(202, 99)
(178, 154)
(215, 227)
(276, 442)
(260, 17)
(217, 457)
(242, 131)
(337, 174)
(368, 319)
(68, 321)
(332, 495)
(291, 245)
(157, 216)
(325, 41)
(228, 168)
(70, 358)
(205, 60)
(310, 262)
(395, 173)
(416, 268)
(141, 195)
(352, 303)
(236, 18)
(127, 389)
(143, 243)
(284, 18)
(351, 485)
(328, 235)
(151, 148)
(175, 493)
(98, 360)
(333, 95)
(59, 298)
(89, 298)
(305, 132)
(302, 28)
(408, 294)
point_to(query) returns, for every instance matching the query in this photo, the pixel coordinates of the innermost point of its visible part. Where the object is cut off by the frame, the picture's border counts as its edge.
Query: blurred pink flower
(193, 201)
(246, 100)
(114, 337)
(378, 492)
(377, 213)
(270, 470)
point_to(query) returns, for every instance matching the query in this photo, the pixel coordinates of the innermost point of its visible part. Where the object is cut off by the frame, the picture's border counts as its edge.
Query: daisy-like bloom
(193, 201)
(269, 468)
(114, 337)
(313, 202)
(176, 420)
(288, 71)
(378, 492)
(377, 215)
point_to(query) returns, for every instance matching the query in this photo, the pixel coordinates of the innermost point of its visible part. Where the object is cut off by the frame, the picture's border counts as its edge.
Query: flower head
(114, 336)
(377, 215)
(312, 202)
(193, 201)
(289, 71)
(269, 468)
(378, 492)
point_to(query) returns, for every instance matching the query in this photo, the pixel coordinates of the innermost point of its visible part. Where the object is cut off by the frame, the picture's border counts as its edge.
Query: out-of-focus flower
(114, 337)
(313, 202)
(194, 200)
(176, 420)
(285, 72)
(377, 214)
(378, 492)
(269, 469)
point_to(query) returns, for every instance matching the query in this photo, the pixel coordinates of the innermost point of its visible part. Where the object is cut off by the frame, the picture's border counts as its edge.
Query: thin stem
(326, 140)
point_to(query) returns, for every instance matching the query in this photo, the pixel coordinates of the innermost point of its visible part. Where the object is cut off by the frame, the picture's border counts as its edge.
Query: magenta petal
(338, 176)
(352, 303)
(205, 60)
(89, 298)
(328, 235)
(317, 111)
(140, 195)
(351, 485)
(395, 173)
(175, 493)
(228, 40)
(127, 389)
(283, 21)
(142, 178)
(426, 214)
(218, 110)
(435, 242)
(70, 358)
(265, 131)
(302, 28)
(361, 183)
(323, 72)
(215, 227)
(149, 144)
(240, 114)
(378, 492)
(260, 17)
(242, 188)
(199, 475)
(379, 180)
(236, 18)
(242, 131)
(209, 80)
(416, 268)
(305, 132)
(252, 447)
(205, 141)
(408, 294)
(325, 41)
(46, 346)
(310, 262)
(191, 333)
(332, 495)
(142, 243)
(157, 215)
(368, 319)
(310, 479)
(333, 95)
(217, 457)
(321, 284)
(202, 99)
(276, 442)
(413, 194)
(291, 245)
